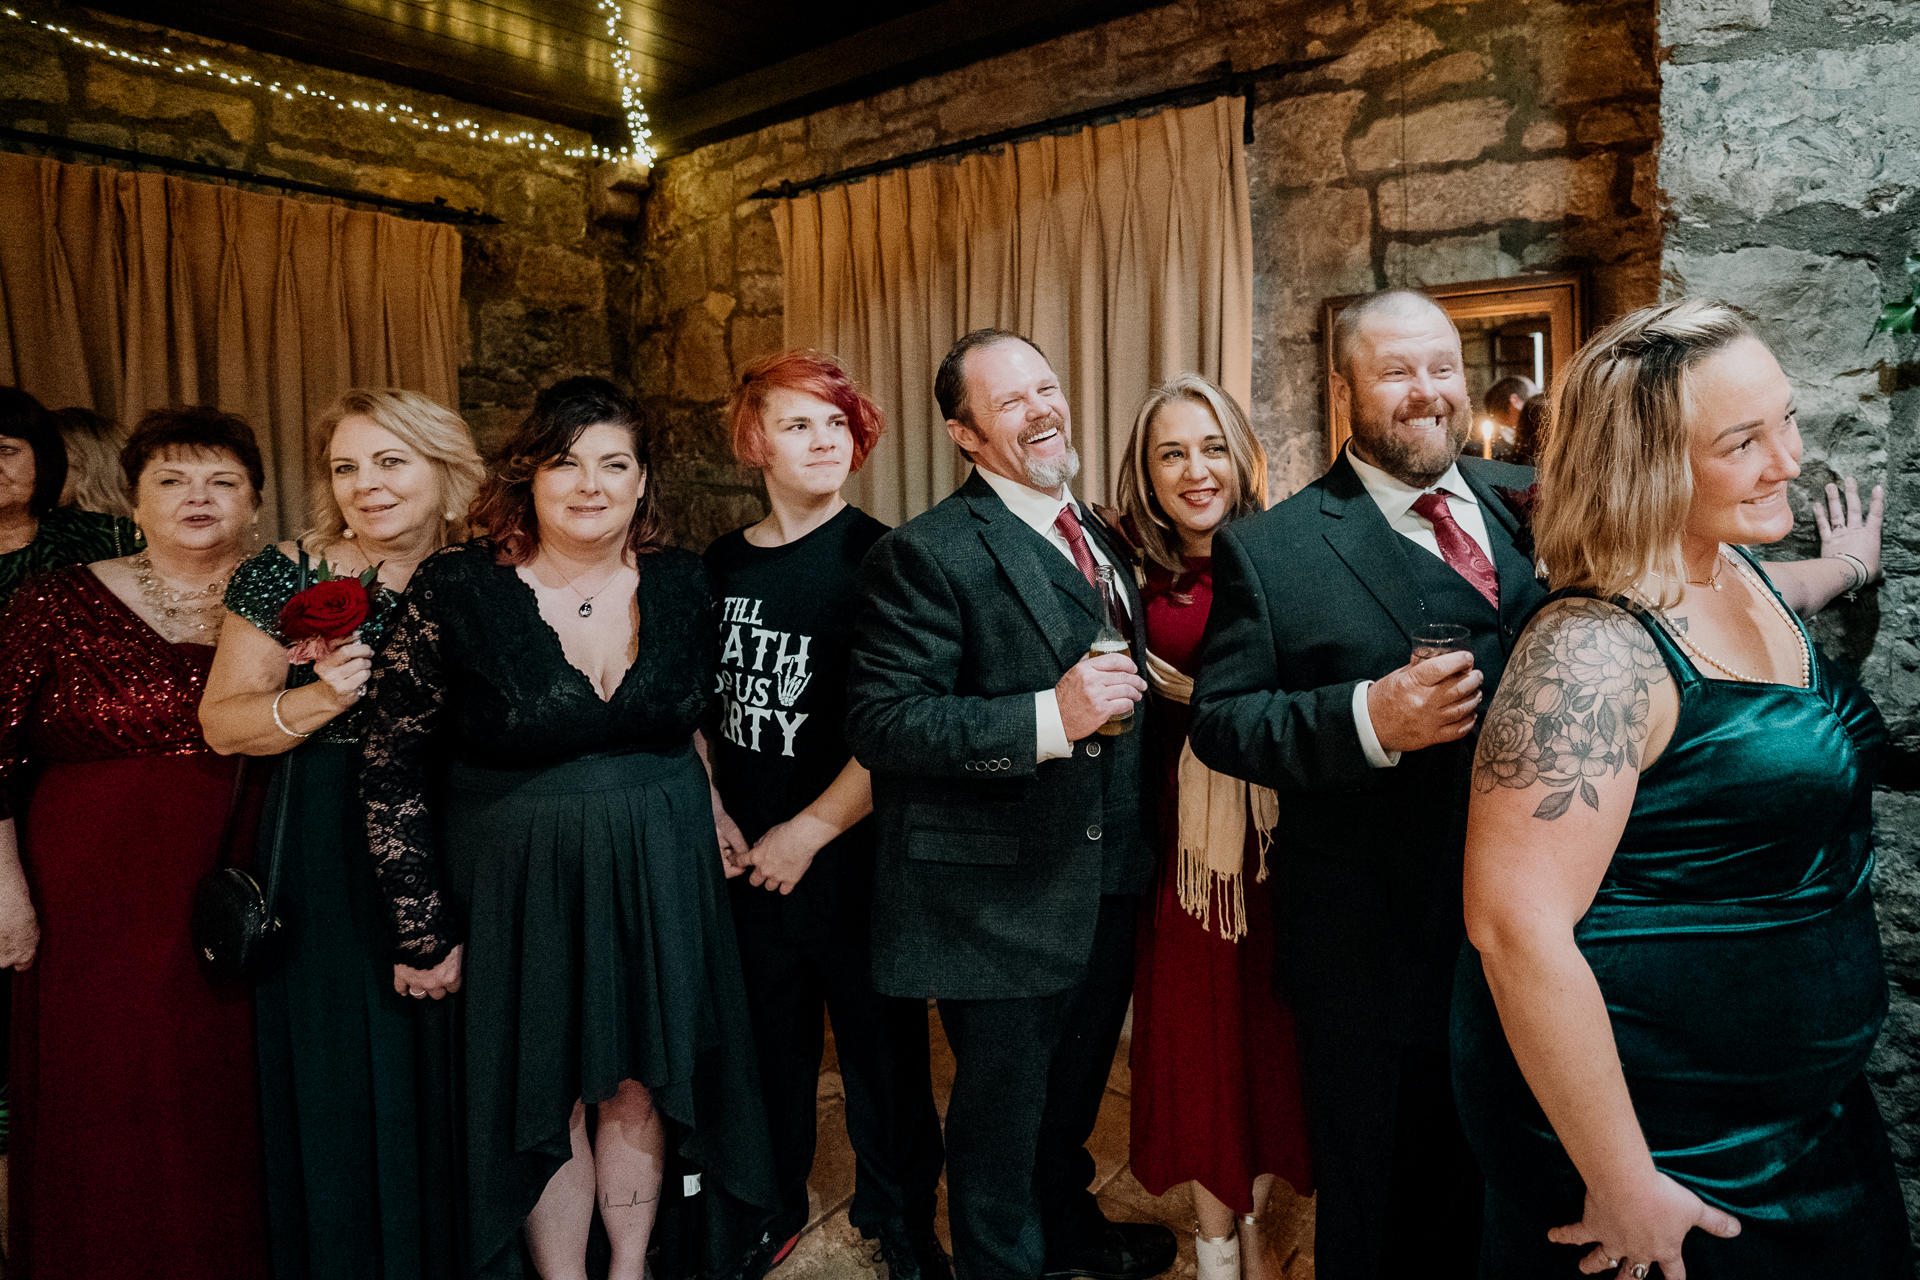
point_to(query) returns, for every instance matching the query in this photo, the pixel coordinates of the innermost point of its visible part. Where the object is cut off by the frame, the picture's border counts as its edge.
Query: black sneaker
(768, 1252)
(914, 1254)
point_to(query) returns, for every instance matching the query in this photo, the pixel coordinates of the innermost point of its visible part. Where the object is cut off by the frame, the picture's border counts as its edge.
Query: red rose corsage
(329, 611)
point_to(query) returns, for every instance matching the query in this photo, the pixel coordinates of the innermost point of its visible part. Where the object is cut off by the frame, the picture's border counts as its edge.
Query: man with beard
(1306, 686)
(1009, 836)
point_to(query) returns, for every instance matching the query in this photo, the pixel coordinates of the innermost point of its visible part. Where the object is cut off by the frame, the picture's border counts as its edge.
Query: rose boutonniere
(329, 611)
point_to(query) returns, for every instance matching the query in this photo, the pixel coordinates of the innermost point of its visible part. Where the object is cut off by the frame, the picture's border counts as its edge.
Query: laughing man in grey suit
(1010, 836)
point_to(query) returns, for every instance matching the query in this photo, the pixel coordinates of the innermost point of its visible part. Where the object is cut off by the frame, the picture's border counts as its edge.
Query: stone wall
(1790, 163)
(535, 291)
(1443, 142)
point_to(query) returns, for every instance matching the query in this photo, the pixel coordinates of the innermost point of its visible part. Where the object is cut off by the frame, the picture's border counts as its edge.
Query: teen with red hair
(791, 805)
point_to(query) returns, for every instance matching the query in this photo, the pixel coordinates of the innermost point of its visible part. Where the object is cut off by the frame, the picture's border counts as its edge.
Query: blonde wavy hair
(1616, 475)
(93, 461)
(1158, 537)
(438, 434)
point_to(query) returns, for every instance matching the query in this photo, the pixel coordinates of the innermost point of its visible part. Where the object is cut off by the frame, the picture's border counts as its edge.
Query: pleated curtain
(1125, 252)
(124, 292)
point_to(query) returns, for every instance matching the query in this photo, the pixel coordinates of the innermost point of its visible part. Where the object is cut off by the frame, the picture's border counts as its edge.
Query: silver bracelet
(282, 724)
(1856, 570)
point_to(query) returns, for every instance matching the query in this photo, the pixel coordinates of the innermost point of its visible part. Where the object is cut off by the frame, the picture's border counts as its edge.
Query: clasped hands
(778, 859)
(1425, 703)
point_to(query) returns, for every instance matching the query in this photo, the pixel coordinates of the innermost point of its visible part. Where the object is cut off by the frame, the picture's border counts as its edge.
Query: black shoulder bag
(235, 931)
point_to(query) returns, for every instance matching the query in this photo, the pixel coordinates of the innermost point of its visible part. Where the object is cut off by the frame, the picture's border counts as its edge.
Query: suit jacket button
(1093, 832)
(1093, 748)
(1005, 763)
(970, 766)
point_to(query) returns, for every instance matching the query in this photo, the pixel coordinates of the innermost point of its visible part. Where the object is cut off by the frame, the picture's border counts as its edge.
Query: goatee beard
(1411, 462)
(1048, 476)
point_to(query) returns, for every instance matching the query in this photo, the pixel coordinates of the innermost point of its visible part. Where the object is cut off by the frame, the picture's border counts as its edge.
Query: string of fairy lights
(638, 151)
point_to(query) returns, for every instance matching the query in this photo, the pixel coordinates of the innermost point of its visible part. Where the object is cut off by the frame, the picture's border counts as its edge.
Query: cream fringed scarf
(1213, 823)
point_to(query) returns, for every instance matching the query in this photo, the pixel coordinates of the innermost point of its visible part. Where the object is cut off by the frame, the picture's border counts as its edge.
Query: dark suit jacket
(988, 868)
(1309, 599)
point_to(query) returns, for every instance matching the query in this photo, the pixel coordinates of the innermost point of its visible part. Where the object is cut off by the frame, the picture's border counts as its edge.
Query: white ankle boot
(1219, 1256)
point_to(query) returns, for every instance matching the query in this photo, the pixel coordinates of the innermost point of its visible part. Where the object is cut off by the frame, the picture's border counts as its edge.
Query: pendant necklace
(586, 601)
(1760, 589)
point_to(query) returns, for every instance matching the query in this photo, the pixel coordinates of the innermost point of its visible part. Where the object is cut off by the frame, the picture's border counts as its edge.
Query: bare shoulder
(1574, 706)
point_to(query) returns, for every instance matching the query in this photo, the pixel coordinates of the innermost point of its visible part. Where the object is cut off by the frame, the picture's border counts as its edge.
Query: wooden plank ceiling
(708, 69)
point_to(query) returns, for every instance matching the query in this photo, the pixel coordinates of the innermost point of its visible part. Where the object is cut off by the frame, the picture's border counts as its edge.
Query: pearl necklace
(1679, 634)
(197, 613)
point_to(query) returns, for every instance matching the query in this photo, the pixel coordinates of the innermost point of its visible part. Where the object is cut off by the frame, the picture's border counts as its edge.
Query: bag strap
(232, 823)
(272, 889)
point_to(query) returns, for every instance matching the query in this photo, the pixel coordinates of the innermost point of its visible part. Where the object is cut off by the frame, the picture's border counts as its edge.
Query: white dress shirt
(1395, 499)
(1038, 511)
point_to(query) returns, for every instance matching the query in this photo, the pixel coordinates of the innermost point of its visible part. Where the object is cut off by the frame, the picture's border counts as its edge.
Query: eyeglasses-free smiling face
(1410, 414)
(809, 443)
(589, 495)
(1017, 424)
(1190, 468)
(1744, 446)
(385, 489)
(194, 499)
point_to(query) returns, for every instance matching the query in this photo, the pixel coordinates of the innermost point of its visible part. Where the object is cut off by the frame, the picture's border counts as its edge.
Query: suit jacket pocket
(978, 848)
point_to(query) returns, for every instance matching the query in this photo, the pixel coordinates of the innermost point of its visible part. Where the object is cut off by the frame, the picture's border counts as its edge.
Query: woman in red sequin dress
(136, 1141)
(1216, 1088)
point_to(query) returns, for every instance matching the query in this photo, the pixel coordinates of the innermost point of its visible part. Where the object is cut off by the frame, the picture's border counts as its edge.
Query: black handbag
(235, 931)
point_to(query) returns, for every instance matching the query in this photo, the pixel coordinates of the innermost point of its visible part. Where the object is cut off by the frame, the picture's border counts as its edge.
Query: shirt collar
(1394, 497)
(1035, 509)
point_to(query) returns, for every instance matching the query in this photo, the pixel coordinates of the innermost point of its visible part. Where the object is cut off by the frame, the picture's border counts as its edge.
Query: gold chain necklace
(1679, 634)
(185, 616)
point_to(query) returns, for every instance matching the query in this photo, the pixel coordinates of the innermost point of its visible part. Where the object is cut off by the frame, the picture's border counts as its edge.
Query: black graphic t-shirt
(786, 637)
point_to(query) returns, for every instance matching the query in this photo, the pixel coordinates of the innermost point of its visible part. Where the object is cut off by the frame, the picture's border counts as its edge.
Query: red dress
(136, 1139)
(1216, 1080)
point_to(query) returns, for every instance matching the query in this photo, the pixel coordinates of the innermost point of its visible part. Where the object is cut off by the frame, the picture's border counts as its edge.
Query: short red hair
(816, 374)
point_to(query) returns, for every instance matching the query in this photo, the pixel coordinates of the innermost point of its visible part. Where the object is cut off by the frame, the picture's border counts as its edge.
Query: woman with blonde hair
(356, 1166)
(93, 462)
(1661, 1027)
(1216, 1090)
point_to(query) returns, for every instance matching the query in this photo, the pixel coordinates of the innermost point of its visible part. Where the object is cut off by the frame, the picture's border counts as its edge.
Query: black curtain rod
(1240, 84)
(438, 211)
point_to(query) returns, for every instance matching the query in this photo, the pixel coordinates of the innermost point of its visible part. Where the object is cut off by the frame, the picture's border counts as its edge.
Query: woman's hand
(783, 855)
(438, 982)
(1843, 529)
(345, 670)
(19, 928)
(1642, 1226)
(733, 843)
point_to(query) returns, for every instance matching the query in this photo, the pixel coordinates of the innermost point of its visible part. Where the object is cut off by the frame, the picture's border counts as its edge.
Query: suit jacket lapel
(1042, 578)
(1119, 555)
(1363, 539)
(1513, 566)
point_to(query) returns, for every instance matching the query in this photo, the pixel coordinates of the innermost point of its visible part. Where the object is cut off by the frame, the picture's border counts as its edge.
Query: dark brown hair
(24, 418)
(504, 510)
(950, 381)
(195, 428)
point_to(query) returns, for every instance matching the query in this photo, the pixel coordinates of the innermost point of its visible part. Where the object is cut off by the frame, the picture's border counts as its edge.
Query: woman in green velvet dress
(1659, 1044)
(359, 1172)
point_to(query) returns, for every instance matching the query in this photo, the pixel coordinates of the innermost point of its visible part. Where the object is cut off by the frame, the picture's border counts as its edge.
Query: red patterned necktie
(1462, 554)
(1069, 526)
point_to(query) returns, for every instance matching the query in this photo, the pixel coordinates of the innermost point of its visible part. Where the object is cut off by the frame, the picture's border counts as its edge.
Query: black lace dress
(568, 841)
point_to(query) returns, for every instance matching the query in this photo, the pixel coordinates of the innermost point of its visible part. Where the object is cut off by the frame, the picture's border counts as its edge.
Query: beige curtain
(1124, 251)
(124, 292)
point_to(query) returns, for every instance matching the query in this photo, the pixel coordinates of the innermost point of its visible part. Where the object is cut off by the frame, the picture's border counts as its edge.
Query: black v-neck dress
(571, 847)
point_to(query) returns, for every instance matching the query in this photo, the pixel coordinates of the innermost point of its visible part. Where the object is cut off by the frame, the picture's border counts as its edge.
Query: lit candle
(1486, 439)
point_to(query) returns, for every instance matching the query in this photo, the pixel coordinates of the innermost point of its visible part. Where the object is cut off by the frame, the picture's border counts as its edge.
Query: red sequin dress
(1216, 1081)
(136, 1139)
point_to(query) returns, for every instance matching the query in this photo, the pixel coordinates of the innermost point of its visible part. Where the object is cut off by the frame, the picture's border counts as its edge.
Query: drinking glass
(1436, 638)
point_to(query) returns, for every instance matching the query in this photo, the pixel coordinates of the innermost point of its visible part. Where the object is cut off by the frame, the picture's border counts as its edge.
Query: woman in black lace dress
(566, 874)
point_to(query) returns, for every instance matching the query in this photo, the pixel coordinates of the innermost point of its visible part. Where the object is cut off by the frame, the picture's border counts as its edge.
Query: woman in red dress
(136, 1146)
(1216, 1089)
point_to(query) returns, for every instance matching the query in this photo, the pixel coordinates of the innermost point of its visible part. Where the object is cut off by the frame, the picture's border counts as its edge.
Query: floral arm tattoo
(1573, 705)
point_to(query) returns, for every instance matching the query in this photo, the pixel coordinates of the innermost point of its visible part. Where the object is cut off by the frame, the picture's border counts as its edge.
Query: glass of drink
(1111, 639)
(1436, 638)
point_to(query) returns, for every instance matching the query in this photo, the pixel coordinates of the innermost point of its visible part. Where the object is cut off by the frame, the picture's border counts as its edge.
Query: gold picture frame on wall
(1548, 310)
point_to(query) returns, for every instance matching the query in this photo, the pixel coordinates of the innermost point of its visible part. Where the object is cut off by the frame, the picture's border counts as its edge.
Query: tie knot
(1068, 524)
(1433, 506)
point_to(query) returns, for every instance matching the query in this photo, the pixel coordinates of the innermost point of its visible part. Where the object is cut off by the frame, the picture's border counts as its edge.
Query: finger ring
(415, 992)
(1639, 1271)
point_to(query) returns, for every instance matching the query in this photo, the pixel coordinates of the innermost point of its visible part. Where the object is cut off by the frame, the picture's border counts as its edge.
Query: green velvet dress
(355, 1103)
(67, 535)
(1734, 941)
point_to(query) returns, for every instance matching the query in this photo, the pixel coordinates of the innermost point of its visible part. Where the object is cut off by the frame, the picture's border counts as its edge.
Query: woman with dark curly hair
(565, 876)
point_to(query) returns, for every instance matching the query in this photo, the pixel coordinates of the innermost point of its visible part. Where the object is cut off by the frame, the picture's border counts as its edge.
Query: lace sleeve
(407, 692)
